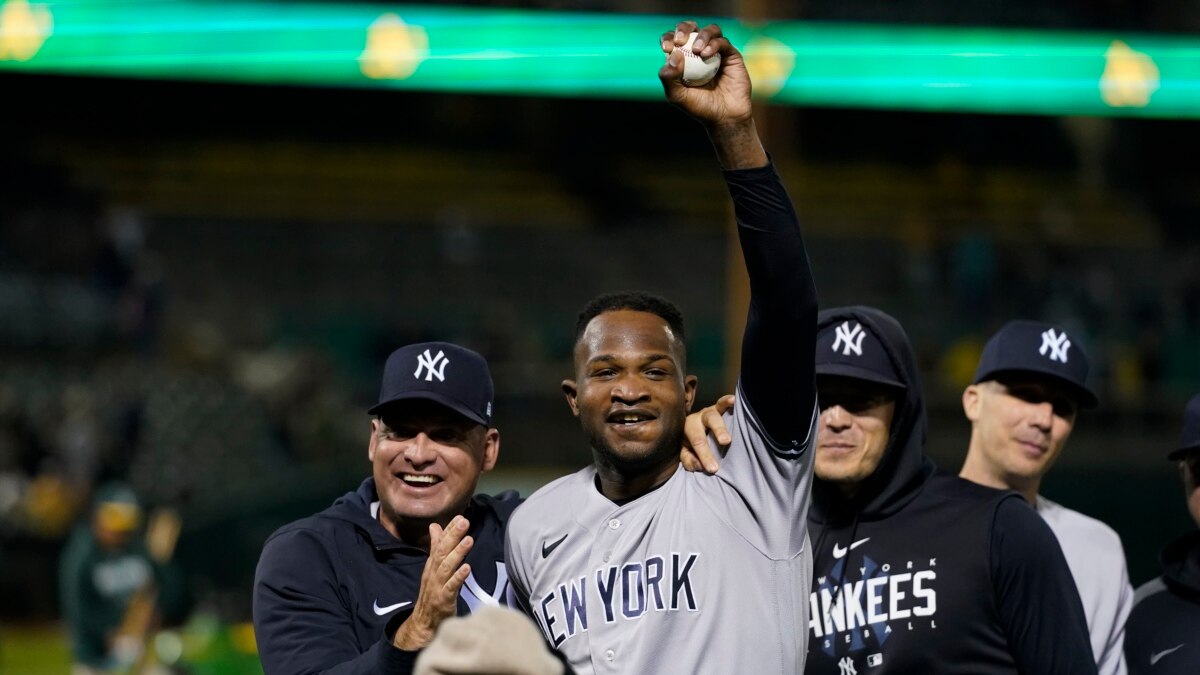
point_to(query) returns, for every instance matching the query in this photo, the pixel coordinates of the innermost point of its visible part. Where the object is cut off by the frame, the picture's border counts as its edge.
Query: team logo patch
(849, 339)
(434, 366)
(855, 608)
(1157, 656)
(476, 596)
(548, 548)
(1055, 345)
(840, 552)
(388, 609)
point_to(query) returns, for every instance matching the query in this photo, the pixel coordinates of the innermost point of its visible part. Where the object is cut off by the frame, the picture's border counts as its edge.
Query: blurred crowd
(171, 358)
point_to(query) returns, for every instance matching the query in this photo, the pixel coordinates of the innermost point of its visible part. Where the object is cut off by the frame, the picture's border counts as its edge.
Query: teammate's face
(427, 460)
(853, 431)
(1019, 427)
(1189, 468)
(630, 393)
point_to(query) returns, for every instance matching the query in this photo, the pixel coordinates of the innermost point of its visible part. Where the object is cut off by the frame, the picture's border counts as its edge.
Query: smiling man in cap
(362, 586)
(1027, 391)
(1163, 633)
(916, 569)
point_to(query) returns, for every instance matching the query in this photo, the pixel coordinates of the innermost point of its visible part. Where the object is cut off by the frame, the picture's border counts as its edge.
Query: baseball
(698, 72)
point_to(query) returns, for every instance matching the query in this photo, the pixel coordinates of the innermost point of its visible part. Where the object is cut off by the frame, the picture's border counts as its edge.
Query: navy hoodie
(1162, 635)
(331, 589)
(925, 572)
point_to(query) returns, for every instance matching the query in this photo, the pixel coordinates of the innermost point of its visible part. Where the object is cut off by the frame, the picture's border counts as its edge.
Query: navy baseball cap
(1189, 439)
(852, 349)
(453, 376)
(1037, 347)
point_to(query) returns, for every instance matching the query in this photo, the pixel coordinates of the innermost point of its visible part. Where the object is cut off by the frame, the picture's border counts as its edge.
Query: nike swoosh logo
(547, 549)
(380, 611)
(1155, 658)
(839, 552)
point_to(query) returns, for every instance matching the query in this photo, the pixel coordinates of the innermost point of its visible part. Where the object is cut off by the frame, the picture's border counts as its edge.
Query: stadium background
(199, 281)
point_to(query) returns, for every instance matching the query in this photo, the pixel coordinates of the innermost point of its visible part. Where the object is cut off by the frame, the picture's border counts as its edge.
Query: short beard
(606, 458)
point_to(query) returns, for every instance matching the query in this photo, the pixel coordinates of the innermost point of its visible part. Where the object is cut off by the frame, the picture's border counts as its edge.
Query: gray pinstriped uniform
(706, 574)
(703, 574)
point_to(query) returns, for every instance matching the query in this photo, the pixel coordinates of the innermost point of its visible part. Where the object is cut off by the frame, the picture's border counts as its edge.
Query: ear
(689, 390)
(572, 393)
(491, 449)
(374, 440)
(972, 400)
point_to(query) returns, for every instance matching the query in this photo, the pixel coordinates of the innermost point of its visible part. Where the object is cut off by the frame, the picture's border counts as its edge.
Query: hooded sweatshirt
(1162, 636)
(924, 572)
(331, 589)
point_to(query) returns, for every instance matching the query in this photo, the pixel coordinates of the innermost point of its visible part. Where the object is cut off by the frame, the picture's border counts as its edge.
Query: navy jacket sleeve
(302, 620)
(1039, 606)
(777, 379)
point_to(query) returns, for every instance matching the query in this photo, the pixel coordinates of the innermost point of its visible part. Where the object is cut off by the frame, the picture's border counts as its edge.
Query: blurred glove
(493, 641)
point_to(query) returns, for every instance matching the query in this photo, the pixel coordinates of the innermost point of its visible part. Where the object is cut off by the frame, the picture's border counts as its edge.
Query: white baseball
(698, 72)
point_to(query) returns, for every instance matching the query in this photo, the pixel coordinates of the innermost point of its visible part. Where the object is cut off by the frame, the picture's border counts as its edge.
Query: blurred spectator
(973, 276)
(114, 587)
(130, 277)
(79, 437)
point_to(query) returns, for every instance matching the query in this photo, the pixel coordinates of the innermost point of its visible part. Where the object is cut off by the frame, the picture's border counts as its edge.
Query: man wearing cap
(917, 570)
(1022, 404)
(631, 565)
(1163, 633)
(103, 565)
(361, 586)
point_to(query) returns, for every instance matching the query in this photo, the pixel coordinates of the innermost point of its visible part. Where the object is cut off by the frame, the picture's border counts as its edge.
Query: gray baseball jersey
(1097, 561)
(705, 574)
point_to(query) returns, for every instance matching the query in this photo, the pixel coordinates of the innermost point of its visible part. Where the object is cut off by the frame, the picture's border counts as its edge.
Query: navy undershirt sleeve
(777, 380)
(1039, 606)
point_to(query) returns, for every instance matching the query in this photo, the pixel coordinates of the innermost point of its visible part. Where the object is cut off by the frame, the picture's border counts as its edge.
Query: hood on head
(885, 349)
(1180, 561)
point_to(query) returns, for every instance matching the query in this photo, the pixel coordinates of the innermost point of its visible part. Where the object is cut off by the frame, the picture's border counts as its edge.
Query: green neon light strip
(602, 55)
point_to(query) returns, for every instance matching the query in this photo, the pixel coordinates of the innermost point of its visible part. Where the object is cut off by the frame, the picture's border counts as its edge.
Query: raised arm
(777, 380)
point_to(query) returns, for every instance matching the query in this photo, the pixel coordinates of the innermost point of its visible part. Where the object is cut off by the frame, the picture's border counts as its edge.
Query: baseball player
(1029, 385)
(104, 565)
(361, 586)
(918, 570)
(634, 565)
(1162, 636)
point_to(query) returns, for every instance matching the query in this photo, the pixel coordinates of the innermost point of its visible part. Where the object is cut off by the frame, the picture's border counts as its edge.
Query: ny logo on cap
(1056, 343)
(428, 363)
(851, 338)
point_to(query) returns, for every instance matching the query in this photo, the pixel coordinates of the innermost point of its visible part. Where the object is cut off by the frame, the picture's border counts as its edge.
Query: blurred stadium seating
(198, 283)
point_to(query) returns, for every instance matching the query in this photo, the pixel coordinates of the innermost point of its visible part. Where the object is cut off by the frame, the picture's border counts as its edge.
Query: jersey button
(607, 556)
(610, 655)
(614, 524)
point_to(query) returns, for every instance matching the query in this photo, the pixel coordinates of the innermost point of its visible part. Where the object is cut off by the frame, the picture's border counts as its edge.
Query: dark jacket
(1161, 636)
(331, 589)
(925, 572)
